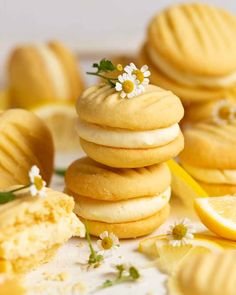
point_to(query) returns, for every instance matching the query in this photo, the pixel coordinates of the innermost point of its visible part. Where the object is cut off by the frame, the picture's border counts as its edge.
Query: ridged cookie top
(210, 146)
(25, 140)
(155, 108)
(196, 38)
(210, 274)
(88, 178)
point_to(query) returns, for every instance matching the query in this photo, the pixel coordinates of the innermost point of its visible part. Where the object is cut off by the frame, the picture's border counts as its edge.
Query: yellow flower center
(128, 86)
(107, 243)
(139, 75)
(224, 112)
(179, 232)
(38, 182)
(119, 67)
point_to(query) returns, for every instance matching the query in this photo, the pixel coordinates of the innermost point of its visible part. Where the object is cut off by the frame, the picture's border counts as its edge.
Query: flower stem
(89, 241)
(19, 188)
(110, 80)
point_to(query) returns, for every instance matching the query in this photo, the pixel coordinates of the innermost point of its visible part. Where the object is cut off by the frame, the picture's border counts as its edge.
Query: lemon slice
(4, 99)
(169, 258)
(60, 118)
(218, 214)
(184, 186)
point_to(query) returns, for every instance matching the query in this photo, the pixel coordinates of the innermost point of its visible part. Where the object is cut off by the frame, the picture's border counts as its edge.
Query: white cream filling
(123, 138)
(214, 176)
(186, 78)
(121, 211)
(55, 71)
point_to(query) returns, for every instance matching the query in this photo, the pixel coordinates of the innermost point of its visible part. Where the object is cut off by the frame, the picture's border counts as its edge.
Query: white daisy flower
(180, 233)
(108, 241)
(221, 112)
(141, 74)
(127, 86)
(38, 185)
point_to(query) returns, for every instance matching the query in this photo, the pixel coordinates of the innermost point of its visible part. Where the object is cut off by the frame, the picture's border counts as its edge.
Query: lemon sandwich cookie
(209, 157)
(55, 81)
(25, 140)
(203, 68)
(128, 202)
(128, 124)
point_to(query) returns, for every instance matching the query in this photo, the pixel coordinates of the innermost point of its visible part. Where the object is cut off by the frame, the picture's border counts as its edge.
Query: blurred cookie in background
(190, 49)
(46, 79)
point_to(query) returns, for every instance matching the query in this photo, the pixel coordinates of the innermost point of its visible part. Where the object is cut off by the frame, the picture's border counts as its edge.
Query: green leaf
(104, 65)
(6, 197)
(134, 273)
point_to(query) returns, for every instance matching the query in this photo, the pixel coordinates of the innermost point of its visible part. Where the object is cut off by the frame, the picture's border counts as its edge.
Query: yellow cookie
(220, 111)
(199, 66)
(56, 78)
(42, 223)
(88, 178)
(25, 141)
(129, 229)
(129, 133)
(188, 94)
(208, 274)
(132, 158)
(209, 157)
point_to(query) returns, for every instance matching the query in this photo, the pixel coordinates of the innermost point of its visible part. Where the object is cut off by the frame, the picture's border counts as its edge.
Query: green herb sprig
(104, 66)
(9, 196)
(123, 275)
(95, 259)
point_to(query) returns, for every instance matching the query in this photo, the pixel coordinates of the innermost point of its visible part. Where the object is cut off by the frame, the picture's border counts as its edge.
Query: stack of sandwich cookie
(128, 202)
(33, 228)
(210, 158)
(202, 69)
(129, 133)
(128, 128)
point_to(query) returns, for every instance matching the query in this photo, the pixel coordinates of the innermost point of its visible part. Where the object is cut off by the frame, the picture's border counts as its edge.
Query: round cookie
(56, 79)
(129, 229)
(154, 109)
(216, 189)
(188, 94)
(129, 133)
(209, 157)
(197, 70)
(132, 158)
(88, 178)
(210, 146)
(25, 141)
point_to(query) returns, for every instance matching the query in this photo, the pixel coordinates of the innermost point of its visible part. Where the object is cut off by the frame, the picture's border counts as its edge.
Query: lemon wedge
(60, 118)
(218, 214)
(184, 186)
(169, 258)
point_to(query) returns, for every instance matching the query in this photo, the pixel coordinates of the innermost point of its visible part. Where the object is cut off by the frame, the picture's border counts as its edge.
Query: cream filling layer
(214, 176)
(121, 211)
(123, 138)
(30, 240)
(55, 70)
(188, 79)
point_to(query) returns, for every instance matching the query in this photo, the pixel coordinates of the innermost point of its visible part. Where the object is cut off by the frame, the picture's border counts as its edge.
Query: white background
(88, 25)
